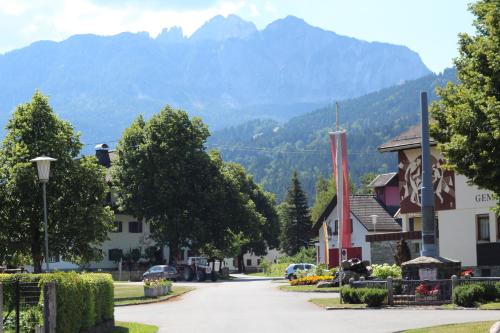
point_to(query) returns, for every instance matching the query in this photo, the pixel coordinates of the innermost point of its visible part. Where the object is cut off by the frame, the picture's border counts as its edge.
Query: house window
(417, 248)
(135, 227)
(118, 226)
(249, 262)
(258, 262)
(483, 227)
(352, 227)
(411, 224)
(336, 227)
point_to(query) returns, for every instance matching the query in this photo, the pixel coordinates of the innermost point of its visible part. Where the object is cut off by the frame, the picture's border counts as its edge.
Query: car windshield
(201, 261)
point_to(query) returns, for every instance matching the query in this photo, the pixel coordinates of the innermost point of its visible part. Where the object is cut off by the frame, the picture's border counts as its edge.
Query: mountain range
(227, 72)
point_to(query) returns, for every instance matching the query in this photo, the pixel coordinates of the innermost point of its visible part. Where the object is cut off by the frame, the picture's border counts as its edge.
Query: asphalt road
(251, 306)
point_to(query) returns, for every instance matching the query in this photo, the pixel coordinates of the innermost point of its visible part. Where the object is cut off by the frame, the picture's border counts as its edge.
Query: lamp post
(374, 221)
(43, 166)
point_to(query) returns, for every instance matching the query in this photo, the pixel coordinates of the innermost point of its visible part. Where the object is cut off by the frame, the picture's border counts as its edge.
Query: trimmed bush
(468, 295)
(83, 300)
(352, 295)
(374, 297)
(490, 292)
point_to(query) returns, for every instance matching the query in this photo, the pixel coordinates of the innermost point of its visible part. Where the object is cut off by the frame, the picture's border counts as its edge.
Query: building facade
(467, 230)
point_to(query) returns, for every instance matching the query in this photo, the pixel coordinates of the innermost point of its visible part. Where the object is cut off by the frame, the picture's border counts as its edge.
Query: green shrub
(468, 295)
(385, 270)
(83, 300)
(374, 297)
(351, 295)
(497, 287)
(490, 292)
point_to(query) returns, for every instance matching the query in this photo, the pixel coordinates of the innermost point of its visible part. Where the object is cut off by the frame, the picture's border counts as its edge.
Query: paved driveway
(250, 306)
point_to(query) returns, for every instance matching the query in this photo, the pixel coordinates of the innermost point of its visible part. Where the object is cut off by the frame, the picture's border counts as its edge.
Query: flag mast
(339, 182)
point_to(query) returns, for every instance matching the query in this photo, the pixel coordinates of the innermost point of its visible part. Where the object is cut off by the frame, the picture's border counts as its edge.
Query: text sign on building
(410, 182)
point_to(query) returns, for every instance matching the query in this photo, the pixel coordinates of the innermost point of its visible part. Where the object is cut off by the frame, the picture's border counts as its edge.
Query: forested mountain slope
(271, 151)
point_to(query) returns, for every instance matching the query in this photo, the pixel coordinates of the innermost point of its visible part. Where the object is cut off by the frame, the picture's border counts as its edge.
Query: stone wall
(382, 252)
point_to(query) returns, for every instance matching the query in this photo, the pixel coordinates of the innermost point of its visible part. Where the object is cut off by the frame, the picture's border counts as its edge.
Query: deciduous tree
(467, 117)
(78, 221)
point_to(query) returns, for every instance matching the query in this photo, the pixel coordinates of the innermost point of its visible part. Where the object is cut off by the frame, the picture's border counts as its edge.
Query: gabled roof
(382, 180)
(362, 207)
(410, 139)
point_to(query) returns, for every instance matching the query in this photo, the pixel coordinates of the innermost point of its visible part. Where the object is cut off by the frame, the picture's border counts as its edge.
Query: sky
(429, 27)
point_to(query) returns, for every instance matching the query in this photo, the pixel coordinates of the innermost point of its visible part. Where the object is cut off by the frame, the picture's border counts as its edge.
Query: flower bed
(309, 280)
(154, 288)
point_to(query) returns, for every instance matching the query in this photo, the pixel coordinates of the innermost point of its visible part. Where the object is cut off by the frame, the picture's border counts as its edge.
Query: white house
(362, 208)
(467, 229)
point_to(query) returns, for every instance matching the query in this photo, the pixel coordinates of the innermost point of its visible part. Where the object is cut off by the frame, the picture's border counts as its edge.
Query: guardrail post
(50, 307)
(390, 291)
(454, 283)
(1, 308)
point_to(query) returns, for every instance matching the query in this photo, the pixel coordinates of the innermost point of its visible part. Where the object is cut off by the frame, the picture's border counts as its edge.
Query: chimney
(102, 154)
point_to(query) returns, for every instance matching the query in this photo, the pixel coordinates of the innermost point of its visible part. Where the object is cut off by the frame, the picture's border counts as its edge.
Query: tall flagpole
(340, 197)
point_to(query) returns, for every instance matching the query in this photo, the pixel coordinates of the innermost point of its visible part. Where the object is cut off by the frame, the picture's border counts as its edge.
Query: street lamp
(43, 166)
(374, 221)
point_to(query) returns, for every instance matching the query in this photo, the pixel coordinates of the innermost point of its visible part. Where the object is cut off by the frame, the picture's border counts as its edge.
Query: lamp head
(43, 166)
(374, 218)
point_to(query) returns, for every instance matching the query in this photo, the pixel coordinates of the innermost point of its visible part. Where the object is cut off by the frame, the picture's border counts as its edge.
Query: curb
(170, 297)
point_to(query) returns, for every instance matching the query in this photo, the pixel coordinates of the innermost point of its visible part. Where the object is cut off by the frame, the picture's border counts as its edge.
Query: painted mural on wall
(410, 181)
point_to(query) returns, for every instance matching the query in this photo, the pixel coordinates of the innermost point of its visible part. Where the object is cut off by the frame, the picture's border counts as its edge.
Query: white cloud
(253, 10)
(12, 8)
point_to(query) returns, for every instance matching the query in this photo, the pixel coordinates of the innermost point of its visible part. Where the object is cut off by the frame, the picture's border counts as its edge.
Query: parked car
(293, 268)
(161, 272)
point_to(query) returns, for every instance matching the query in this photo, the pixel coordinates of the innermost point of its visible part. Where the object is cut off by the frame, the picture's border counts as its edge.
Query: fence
(418, 292)
(24, 308)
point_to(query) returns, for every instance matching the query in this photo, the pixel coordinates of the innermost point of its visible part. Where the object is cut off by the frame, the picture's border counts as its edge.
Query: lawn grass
(490, 306)
(134, 294)
(335, 303)
(477, 327)
(306, 289)
(122, 327)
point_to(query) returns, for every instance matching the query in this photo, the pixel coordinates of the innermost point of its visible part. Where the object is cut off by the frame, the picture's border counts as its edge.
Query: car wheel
(188, 274)
(291, 277)
(201, 276)
(214, 276)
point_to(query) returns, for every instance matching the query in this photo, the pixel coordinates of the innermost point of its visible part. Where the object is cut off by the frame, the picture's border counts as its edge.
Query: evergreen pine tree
(295, 219)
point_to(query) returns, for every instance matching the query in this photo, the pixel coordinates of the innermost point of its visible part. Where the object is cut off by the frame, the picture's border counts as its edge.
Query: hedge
(373, 297)
(83, 300)
(309, 280)
(470, 295)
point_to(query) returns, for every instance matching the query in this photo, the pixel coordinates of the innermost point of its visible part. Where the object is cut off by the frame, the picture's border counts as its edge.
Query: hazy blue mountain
(272, 151)
(227, 72)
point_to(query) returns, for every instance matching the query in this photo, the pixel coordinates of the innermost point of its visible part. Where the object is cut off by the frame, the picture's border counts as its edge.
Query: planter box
(157, 291)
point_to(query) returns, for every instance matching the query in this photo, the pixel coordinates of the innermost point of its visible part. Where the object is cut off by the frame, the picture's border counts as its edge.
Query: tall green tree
(160, 175)
(467, 117)
(78, 221)
(295, 219)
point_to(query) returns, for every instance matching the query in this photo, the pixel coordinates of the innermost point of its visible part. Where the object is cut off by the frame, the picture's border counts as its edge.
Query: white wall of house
(458, 227)
(358, 237)
(252, 261)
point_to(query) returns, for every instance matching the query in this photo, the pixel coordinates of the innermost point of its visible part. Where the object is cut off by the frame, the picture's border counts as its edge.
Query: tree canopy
(190, 198)
(467, 117)
(78, 221)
